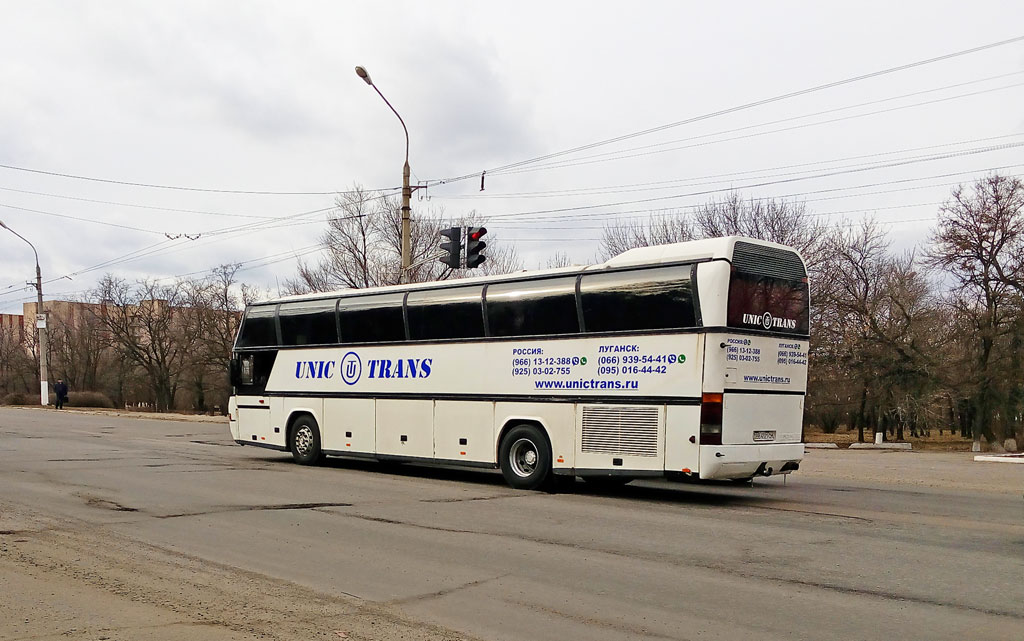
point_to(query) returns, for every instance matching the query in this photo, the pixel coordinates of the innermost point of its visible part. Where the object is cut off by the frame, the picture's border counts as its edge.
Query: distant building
(13, 326)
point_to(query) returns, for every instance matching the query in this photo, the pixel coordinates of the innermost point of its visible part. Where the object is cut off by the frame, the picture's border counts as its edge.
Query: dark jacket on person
(61, 390)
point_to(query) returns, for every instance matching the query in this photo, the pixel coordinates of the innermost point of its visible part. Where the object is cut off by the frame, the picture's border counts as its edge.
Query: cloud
(463, 113)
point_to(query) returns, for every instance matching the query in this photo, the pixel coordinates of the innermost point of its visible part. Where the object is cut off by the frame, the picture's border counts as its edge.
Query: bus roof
(704, 249)
(694, 250)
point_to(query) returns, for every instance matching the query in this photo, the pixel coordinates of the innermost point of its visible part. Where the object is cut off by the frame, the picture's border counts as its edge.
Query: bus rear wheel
(525, 458)
(304, 441)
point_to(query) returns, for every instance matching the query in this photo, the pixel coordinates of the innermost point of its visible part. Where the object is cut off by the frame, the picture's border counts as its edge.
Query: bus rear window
(768, 290)
(763, 302)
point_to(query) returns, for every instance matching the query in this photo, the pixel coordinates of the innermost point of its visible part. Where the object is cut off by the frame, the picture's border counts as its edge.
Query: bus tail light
(711, 418)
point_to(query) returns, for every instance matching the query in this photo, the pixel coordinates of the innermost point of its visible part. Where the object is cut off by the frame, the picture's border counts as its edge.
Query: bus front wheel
(304, 441)
(525, 458)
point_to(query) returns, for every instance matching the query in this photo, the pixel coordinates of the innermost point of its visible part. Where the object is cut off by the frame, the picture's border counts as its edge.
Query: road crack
(253, 508)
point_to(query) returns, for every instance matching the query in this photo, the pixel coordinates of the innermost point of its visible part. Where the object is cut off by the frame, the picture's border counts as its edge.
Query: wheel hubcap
(304, 440)
(523, 457)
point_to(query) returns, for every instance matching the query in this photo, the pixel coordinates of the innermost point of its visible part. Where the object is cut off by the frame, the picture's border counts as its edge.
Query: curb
(881, 446)
(1000, 458)
(157, 416)
(821, 446)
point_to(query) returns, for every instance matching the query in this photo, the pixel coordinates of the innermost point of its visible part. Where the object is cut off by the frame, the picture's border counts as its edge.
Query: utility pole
(44, 388)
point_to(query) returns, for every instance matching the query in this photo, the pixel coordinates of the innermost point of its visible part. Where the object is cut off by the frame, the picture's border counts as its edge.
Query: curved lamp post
(406, 190)
(44, 389)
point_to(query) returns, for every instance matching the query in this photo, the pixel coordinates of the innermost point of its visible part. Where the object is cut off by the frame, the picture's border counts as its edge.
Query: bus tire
(525, 458)
(304, 441)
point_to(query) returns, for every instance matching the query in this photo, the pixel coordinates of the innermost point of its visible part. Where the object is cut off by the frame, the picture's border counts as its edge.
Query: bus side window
(308, 323)
(372, 319)
(259, 328)
(639, 299)
(534, 307)
(445, 313)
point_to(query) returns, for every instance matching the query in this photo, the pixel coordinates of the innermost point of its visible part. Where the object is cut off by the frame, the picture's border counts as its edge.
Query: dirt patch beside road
(69, 579)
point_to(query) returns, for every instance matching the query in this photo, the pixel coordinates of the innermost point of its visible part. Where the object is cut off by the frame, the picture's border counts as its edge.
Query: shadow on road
(710, 493)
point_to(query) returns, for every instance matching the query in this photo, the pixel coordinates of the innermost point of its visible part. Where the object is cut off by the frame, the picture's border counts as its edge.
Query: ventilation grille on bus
(632, 431)
(769, 261)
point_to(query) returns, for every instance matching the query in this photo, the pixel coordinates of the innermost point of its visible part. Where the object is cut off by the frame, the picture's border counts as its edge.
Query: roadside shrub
(90, 399)
(86, 399)
(20, 398)
(829, 419)
(830, 422)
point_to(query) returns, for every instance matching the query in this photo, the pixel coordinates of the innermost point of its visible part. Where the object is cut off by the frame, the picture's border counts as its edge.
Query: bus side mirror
(234, 371)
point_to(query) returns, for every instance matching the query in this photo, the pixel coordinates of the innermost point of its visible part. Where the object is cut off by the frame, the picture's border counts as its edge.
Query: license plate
(764, 435)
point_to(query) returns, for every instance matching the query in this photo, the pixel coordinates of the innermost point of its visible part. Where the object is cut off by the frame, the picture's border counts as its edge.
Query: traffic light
(475, 245)
(453, 247)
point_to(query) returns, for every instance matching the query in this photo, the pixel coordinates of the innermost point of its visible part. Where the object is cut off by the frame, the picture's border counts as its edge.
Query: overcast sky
(261, 96)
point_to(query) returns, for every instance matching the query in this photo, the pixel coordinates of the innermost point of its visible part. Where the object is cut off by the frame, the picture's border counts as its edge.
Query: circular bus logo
(766, 320)
(351, 368)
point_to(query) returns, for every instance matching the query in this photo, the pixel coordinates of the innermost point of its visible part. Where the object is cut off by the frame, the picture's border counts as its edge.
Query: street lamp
(44, 389)
(406, 190)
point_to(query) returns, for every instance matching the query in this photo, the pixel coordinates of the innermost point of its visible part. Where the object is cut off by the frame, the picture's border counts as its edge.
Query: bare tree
(879, 333)
(79, 350)
(151, 328)
(674, 227)
(775, 220)
(362, 246)
(979, 245)
(16, 372)
(215, 305)
(558, 259)
(217, 302)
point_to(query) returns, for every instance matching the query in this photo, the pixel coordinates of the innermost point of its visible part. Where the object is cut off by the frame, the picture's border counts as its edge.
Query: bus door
(250, 372)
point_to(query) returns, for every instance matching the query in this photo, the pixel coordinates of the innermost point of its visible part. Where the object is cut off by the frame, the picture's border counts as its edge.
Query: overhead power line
(81, 219)
(181, 188)
(548, 217)
(132, 205)
(816, 113)
(668, 212)
(825, 174)
(742, 107)
(624, 155)
(683, 182)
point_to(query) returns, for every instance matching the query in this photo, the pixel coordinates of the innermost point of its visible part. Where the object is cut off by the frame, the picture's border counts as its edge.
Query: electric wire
(79, 218)
(181, 188)
(689, 182)
(742, 107)
(575, 163)
(677, 211)
(765, 183)
(672, 210)
(810, 115)
(132, 205)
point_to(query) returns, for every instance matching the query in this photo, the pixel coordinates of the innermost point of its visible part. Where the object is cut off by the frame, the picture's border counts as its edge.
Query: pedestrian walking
(61, 391)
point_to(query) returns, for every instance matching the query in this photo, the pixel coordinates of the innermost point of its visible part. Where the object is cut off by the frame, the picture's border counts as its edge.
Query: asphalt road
(115, 527)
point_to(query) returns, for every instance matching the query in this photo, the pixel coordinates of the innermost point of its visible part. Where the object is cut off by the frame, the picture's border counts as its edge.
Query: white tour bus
(678, 360)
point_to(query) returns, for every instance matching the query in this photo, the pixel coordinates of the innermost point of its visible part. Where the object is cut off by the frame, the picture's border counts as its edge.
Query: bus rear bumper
(744, 461)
